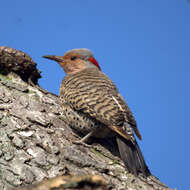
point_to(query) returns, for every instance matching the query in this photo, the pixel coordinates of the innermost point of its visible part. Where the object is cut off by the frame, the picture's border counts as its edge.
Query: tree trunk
(36, 141)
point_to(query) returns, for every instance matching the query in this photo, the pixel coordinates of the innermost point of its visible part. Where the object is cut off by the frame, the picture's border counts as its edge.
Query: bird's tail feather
(132, 156)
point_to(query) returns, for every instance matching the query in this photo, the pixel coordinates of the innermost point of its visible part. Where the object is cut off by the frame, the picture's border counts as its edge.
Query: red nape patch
(93, 60)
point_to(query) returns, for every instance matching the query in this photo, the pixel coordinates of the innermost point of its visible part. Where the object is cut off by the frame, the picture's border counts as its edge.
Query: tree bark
(36, 141)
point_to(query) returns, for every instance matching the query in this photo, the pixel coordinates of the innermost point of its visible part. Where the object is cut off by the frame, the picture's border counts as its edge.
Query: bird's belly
(84, 124)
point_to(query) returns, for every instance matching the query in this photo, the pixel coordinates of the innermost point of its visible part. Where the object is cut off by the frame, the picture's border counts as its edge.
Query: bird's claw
(79, 142)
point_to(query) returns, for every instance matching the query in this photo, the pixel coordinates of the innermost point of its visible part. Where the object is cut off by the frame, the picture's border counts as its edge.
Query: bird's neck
(85, 70)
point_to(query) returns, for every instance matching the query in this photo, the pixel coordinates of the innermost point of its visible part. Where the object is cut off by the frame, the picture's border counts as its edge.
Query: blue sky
(142, 45)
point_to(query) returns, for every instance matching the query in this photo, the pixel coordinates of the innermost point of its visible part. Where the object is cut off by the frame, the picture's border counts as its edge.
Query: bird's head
(75, 60)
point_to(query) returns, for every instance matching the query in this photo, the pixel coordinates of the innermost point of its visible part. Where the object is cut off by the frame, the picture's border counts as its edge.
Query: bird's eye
(73, 58)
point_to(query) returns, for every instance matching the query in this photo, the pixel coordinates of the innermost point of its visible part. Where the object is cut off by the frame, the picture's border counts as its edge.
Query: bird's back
(93, 93)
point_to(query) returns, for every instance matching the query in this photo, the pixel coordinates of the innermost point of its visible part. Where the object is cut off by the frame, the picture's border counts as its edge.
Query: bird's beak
(54, 58)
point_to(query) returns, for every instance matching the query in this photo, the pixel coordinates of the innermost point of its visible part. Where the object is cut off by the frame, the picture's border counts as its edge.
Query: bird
(95, 107)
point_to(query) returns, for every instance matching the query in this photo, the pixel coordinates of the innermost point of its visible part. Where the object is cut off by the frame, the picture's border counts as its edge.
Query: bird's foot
(84, 140)
(80, 142)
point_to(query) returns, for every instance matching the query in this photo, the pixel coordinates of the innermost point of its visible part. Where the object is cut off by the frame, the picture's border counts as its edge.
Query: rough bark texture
(37, 143)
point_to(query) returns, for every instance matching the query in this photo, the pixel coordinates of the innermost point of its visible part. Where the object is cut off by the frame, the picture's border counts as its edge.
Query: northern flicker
(99, 110)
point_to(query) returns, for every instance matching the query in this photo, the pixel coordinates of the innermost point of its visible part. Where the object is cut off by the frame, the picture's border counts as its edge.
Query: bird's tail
(132, 156)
